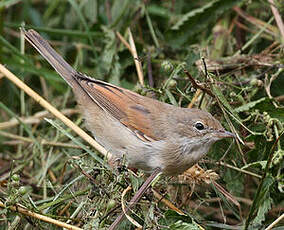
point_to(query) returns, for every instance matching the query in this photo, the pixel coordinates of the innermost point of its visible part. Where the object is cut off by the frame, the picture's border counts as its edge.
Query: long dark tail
(58, 63)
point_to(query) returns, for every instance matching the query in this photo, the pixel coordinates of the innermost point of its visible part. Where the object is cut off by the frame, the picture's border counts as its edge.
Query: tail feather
(58, 63)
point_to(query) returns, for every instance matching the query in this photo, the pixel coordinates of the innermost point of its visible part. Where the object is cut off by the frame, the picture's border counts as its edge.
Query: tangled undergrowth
(225, 57)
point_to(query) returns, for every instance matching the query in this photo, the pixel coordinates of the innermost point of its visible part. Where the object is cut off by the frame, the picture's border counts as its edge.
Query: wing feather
(122, 104)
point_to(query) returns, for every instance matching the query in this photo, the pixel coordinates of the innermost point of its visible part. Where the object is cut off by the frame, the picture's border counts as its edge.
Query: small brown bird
(150, 134)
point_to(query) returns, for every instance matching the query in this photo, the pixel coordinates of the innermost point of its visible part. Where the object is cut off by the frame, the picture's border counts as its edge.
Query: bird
(147, 133)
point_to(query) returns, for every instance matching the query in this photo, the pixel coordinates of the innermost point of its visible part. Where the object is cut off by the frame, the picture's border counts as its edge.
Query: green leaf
(197, 20)
(262, 210)
(109, 60)
(83, 21)
(179, 225)
(267, 106)
(157, 10)
(171, 217)
(171, 97)
(91, 10)
(77, 142)
(8, 3)
(118, 9)
(261, 163)
(115, 72)
(224, 102)
(248, 106)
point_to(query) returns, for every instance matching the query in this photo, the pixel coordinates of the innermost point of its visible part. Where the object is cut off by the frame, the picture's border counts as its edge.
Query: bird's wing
(122, 104)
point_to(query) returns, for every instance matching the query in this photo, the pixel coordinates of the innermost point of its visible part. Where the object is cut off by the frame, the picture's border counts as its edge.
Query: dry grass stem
(134, 222)
(53, 110)
(121, 38)
(132, 49)
(238, 169)
(275, 222)
(195, 98)
(277, 16)
(35, 119)
(166, 202)
(24, 211)
(42, 141)
(136, 58)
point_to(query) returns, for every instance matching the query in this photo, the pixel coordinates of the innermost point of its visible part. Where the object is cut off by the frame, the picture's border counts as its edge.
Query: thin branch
(198, 86)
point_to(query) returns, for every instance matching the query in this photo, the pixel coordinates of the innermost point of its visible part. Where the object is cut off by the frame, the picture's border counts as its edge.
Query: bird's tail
(58, 63)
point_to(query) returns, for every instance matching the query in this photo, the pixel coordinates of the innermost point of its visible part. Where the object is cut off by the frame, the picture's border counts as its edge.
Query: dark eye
(199, 126)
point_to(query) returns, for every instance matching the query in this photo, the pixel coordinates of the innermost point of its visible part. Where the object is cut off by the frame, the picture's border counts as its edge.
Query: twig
(23, 210)
(226, 194)
(197, 86)
(249, 42)
(53, 110)
(136, 198)
(205, 67)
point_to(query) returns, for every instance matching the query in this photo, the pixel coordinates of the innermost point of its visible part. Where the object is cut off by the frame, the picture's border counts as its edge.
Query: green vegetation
(48, 169)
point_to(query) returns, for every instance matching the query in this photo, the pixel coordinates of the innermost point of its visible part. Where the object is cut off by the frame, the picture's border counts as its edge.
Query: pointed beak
(225, 134)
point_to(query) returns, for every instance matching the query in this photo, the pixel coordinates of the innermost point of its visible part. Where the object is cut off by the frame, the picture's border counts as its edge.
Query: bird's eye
(199, 126)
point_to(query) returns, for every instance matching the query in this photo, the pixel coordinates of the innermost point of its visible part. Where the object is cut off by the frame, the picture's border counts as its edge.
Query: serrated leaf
(264, 193)
(262, 210)
(109, 50)
(193, 13)
(115, 73)
(197, 20)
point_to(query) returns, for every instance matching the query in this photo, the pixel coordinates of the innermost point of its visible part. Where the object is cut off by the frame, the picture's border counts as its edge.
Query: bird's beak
(225, 134)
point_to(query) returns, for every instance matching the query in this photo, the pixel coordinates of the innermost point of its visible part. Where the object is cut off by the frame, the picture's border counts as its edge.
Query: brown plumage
(149, 133)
